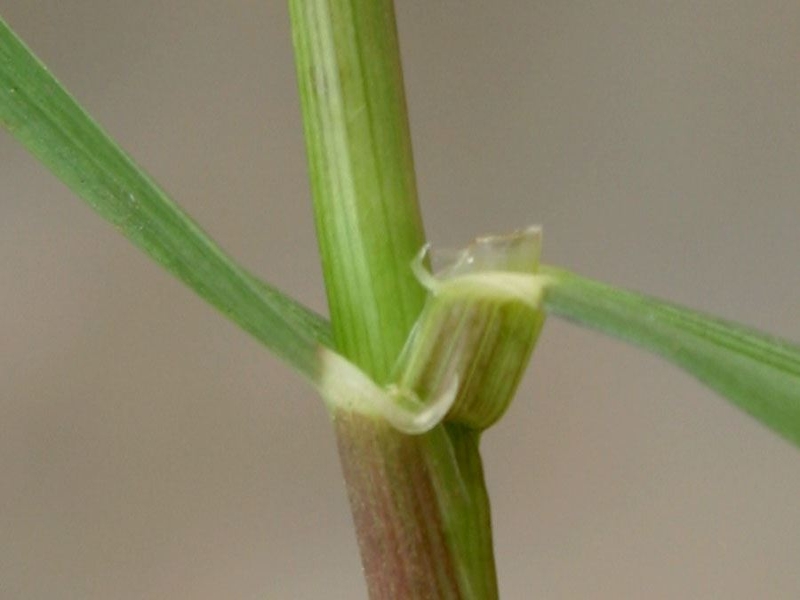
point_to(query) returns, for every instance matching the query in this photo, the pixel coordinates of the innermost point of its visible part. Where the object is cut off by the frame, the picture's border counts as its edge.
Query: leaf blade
(757, 372)
(42, 115)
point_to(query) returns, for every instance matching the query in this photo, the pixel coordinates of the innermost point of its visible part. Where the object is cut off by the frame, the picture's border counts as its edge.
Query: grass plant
(416, 362)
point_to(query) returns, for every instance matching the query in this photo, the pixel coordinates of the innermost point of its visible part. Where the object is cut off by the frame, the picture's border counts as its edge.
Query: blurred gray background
(149, 449)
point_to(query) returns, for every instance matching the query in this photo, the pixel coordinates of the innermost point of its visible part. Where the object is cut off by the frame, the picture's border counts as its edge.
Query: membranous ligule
(477, 329)
(468, 349)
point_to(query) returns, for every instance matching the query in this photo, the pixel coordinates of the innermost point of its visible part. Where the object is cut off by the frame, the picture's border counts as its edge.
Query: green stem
(359, 150)
(419, 503)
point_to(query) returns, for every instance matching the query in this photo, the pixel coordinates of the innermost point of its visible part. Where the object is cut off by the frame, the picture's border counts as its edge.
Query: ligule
(468, 349)
(478, 327)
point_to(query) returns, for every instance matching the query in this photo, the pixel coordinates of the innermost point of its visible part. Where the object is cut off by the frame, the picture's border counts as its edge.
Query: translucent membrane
(469, 347)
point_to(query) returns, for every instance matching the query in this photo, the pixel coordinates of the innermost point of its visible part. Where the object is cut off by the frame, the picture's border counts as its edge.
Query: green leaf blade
(42, 115)
(757, 372)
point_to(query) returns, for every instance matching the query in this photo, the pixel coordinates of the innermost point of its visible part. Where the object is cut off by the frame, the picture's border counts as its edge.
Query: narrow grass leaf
(41, 114)
(758, 372)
